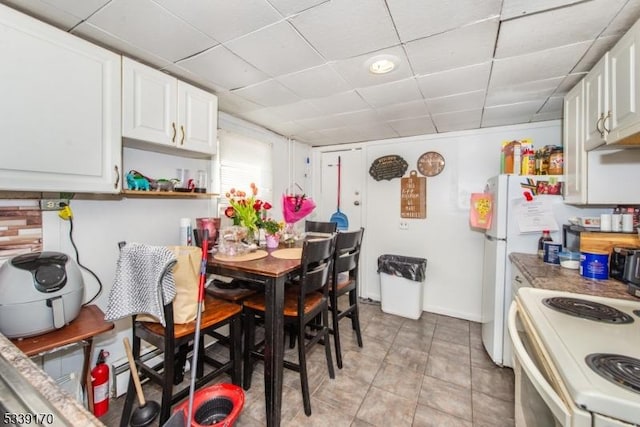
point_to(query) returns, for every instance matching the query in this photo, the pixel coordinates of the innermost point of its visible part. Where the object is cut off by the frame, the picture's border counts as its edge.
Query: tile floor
(427, 372)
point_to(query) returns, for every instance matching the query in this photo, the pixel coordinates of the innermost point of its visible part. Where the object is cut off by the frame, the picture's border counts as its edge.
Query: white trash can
(402, 285)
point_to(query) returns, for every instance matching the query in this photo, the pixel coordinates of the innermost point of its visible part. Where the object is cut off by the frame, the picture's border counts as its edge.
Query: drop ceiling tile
(344, 28)
(568, 83)
(263, 117)
(536, 66)
(460, 102)
(276, 49)
(391, 93)
(403, 111)
(289, 129)
(459, 80)
(375, 132)
(223, 20)
(553, 104)
(518, 8)
(236, 72)
(315, 82)
(503, 115)
(145, 24)
(339, 103)
(416, 19)
(290, 7)
(268, 93)
(594, 53)
(322, 122)
(296, 111)
(96, 35)
(628, 15)
(413, 126)
(461, 120)
(340, 135)
(546, 116)
(533, 33)
(356, 70)
(367, 116)
(529, 91)
(312, 137)
(234, 104)
(470, 45)
(63, 14)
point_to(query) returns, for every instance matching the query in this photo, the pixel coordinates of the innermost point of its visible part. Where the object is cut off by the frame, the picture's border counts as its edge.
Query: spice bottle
(556, 162)
(546, 237)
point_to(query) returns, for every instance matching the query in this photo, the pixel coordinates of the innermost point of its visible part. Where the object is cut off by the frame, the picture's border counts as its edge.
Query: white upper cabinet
(596, 103)
(167, 114)
(60, 109)
(612, 93)
(574, 154)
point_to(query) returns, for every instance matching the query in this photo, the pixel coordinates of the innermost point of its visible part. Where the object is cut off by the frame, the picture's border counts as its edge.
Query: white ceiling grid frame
(315, 82)
(63, 14)
(518, 8)
(540, 89)
(416, 19)
(464, 46)
(458, 102)
(223, 20)
(461, 120)
(413, 126)
(541, 65)
(345, 28)
(416, 108)
(564, 26)
(399, 91)
(144, 24)
(291, 7)
(268, 93)
(276, 49)
(458, 80)
(236, 73)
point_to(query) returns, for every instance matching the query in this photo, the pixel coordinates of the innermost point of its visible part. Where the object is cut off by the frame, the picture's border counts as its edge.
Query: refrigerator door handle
(492, 238)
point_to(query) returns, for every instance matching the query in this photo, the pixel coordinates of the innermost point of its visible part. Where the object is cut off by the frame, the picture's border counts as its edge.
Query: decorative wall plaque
(413, 196)
(388, 167)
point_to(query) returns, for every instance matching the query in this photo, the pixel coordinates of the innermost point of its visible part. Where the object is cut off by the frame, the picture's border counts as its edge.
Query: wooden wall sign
(413, 196)
(388, 167)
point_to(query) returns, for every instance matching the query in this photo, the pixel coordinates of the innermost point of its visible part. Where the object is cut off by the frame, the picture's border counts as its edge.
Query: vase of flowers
(272, 231)
(247, 211)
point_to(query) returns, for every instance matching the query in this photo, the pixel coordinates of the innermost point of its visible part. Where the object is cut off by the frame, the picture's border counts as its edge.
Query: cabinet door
(148, 104)
(60, 109)
(624, 93)
(596, 104)
(197, 118)
(574, 154)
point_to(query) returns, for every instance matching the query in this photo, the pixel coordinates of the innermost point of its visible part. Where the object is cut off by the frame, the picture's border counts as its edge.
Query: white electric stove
(594, 346)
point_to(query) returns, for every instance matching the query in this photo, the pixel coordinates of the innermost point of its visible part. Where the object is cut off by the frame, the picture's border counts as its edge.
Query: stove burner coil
(619, 369)
(588, 309)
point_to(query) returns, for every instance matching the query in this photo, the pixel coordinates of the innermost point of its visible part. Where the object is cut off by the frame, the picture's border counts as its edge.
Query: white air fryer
(39, 292)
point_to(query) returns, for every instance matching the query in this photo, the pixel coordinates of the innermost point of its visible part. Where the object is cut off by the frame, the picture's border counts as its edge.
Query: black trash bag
(403, 266)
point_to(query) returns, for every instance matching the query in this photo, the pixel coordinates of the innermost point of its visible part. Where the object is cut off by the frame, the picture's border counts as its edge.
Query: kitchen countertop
(72, 411)
(554, 277)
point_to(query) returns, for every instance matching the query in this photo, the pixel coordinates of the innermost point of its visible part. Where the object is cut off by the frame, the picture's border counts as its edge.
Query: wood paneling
(20, 230)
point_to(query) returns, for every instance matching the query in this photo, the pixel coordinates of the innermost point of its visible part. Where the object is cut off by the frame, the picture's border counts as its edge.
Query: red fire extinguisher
(100, 385)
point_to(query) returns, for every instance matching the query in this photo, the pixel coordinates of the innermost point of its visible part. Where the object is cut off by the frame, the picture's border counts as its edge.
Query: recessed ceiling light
(382, 64)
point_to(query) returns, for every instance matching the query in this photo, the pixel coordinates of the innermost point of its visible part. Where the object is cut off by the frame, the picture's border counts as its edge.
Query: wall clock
(431, 163)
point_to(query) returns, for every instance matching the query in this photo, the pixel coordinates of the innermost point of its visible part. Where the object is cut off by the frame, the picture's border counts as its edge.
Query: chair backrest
(317, 256)
(347, 253)
(320, 227)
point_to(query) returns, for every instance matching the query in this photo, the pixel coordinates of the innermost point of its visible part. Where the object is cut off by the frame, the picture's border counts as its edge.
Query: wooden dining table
(271, 273)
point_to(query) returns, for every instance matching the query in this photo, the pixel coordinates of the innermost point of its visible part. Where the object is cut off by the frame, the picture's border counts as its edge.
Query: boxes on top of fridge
(517, 157)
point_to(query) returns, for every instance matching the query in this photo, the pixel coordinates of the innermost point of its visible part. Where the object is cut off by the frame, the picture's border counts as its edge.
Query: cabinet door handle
(115, 186)
(598, 123)
(182, 132)
(518, 279)
(604, 120)
(173, 138)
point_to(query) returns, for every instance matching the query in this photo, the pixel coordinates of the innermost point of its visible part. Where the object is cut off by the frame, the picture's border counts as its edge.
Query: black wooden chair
(320, 227)
(305, 307)
(344, 281)
(175, 341)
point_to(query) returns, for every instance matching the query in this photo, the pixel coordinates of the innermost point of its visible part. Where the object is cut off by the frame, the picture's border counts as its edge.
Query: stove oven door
(540, 398)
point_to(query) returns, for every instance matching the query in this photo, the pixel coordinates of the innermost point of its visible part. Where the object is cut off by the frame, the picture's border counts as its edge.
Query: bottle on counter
(546, 237)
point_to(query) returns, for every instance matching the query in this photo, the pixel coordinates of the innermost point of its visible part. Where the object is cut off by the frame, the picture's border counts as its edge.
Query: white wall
(452, 249)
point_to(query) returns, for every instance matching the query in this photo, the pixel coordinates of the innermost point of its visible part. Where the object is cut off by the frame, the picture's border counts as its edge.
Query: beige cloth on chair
(186, 275)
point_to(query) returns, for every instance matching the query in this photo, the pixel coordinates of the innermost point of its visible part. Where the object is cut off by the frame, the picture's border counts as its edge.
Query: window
(244, 160)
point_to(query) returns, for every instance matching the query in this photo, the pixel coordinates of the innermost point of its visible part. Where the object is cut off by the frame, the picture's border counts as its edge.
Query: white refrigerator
(505, 236)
